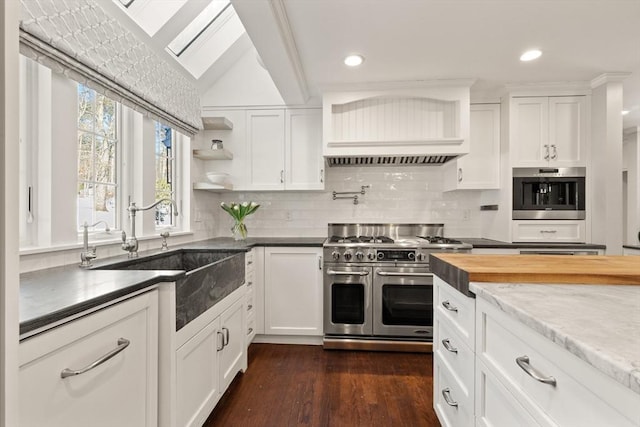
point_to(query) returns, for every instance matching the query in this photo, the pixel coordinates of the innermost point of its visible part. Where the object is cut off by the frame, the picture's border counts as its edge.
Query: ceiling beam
(268, 27)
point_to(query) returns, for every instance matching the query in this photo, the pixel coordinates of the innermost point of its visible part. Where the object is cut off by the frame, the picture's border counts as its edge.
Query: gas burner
(360, 239)
(440, 240)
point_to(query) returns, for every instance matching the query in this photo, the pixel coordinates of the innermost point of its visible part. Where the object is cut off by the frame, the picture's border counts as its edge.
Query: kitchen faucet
(131, 244)
(89, 254)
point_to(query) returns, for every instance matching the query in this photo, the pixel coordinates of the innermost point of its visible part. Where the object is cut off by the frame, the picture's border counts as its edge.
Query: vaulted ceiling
(303, 42)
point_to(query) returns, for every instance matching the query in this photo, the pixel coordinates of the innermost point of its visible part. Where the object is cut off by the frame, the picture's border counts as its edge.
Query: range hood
(434, 160)
(425, 125)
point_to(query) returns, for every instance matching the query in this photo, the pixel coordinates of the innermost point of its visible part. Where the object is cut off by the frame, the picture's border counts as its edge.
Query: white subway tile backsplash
(396, 194)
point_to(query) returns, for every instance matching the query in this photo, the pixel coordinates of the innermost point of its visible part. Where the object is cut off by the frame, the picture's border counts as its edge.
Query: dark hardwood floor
(295, 385)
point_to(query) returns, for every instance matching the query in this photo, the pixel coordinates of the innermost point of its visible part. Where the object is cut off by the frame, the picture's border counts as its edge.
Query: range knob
(380, 255)
(359, 256)
(371, 256)
(411, 256)
(335, 255)
(347, 256)
(421, 257)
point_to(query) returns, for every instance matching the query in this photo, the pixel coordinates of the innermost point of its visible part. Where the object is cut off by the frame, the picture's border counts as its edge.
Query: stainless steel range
(378, 289)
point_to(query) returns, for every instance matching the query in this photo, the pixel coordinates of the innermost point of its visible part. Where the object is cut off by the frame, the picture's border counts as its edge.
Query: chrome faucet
(131, 244)
(89, 254)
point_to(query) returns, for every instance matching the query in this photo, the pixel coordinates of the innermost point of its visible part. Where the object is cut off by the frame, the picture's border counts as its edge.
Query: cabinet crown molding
(609, 78)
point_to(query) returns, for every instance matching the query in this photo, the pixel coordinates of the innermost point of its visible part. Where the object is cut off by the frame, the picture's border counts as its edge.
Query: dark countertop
(52, 295)
(497, 244)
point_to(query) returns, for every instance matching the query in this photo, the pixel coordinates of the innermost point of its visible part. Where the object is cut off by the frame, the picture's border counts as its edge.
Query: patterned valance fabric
(79, 39)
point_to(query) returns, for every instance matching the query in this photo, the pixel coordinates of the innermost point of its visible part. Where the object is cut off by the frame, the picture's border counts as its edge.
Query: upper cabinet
(480, 169)
(549, 131)
(284, 150)
(399, 121)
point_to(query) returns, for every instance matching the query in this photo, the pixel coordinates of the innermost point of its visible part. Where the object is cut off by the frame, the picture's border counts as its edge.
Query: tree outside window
(97, 158)
(165, 173)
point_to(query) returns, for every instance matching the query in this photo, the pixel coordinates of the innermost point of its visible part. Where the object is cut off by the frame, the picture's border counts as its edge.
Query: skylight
(151, 15)
(198, 26)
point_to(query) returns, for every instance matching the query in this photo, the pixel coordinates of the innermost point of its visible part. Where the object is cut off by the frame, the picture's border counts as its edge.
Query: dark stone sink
(210, 276)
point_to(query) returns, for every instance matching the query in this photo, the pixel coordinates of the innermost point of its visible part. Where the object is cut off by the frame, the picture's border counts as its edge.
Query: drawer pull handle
(548, 231)
(249, 283)
(249, 262)
(250, 331)
(220, 334)
(447, 345)
(225, 341)
(523, 362)
(122, 344)
(249, 307)
(446, 304)
(446, 393)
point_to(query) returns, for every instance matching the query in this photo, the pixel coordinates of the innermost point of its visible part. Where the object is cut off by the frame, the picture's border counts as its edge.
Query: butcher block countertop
(460, 269)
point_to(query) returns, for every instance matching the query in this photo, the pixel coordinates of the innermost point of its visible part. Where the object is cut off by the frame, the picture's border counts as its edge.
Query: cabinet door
(265, 150)
(233, 357)
(121, 391)
(197, 389)
(293, 291)
(480, 169)
(529, 131)
(303, 150)
(567, 130)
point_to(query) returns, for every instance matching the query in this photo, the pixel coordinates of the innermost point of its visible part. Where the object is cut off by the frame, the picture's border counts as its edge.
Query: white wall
(245, 83)
(404, 194)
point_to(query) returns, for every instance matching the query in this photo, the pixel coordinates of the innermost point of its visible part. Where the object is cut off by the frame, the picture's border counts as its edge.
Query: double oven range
(378, 288)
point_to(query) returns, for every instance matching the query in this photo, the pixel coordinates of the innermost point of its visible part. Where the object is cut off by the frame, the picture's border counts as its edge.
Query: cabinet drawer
(549, 231)
(249, 261)
(452, 402)
(250, 279)
(251, 327)
(579, 394)
(251, 308)
(454, 350)
(495, 406)
(120, 391)
(457, 309)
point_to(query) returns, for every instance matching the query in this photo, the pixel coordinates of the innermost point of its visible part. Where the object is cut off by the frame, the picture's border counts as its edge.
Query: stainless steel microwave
(549, 193)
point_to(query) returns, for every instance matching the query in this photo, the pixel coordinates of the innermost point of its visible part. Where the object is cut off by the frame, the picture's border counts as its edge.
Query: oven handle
(347, 273)
(387, 273)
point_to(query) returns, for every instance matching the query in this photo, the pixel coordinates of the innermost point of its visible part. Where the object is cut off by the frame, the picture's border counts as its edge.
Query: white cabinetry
(568, 392)
(293, 290)
(121, 391)
(570, 231)
(549, 131)
(453, 362)
(480, 169)
(207, 363)
(284, 150)
(630, 251)
(250, 280)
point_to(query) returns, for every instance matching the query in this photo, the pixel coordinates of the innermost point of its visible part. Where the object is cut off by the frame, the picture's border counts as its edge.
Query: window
(97, 158)
(165, 173)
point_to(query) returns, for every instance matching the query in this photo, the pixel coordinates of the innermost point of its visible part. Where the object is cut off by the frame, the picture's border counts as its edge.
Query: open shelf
(207, 186)
(221, 154)
(217, 123)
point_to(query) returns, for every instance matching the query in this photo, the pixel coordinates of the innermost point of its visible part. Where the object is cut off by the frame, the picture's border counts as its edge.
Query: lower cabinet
(207, 363)
(569, 231)
(98, 370)
(293, 291)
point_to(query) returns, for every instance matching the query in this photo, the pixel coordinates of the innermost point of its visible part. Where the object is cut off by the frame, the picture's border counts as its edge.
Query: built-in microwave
(549, 193)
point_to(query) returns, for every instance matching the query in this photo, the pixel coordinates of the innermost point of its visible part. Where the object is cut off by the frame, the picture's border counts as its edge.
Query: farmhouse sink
(210, 276)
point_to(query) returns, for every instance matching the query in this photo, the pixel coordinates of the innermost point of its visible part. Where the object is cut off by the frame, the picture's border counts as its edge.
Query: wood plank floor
(295, 385)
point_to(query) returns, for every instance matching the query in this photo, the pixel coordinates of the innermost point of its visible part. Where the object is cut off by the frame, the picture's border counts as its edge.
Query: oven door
(347, 300)
(403, 302)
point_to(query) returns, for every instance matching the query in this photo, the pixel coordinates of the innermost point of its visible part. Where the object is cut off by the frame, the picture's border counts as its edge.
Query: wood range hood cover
(402, 123)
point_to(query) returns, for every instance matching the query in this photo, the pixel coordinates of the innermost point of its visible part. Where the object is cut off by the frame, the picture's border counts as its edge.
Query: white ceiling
(303, 42)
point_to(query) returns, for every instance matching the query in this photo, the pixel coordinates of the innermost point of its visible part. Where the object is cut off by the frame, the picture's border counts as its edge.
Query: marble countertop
(598, 324)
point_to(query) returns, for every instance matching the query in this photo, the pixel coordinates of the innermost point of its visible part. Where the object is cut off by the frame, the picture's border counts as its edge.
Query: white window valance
(79, 39)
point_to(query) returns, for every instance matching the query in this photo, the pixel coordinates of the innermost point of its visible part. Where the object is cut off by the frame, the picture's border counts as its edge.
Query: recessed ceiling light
(625, 112)
(530, 55)
(353, 60)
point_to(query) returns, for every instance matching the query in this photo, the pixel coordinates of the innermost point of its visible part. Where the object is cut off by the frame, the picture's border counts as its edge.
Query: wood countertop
(460, 269)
